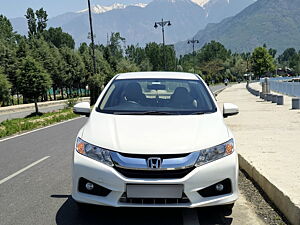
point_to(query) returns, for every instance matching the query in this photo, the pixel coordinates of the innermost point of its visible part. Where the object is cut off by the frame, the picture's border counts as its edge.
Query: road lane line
(190, 217)
(22, 170)
(38, 129)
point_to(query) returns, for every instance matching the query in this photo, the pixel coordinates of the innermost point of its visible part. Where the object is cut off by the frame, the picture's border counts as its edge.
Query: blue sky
(17, 8)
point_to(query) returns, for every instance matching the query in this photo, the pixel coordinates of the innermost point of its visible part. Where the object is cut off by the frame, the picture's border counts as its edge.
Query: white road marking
(22, 170)
(190, 217)
(42, 128)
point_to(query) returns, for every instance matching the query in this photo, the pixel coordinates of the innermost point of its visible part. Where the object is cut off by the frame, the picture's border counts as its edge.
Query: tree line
(45, 65)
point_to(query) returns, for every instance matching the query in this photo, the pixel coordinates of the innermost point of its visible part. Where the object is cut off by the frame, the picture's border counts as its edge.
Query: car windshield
(157, 96)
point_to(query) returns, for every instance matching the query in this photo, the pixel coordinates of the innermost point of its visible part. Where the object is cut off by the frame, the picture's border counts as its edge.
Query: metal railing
(281, 85)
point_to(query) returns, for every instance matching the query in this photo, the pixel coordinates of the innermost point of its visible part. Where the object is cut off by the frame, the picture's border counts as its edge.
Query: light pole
(92, 37)
(163, 24)
(193, 42)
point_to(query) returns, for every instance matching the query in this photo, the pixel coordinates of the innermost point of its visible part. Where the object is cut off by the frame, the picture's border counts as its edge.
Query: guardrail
(274, 98)
(281, 85)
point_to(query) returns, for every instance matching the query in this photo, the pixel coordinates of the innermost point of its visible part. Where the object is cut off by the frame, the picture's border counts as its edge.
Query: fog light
(89, 186)
(219, 187)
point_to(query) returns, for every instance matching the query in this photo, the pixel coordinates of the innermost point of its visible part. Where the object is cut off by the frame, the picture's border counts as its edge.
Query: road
(40, 194)
(35, 188)
(22, 114)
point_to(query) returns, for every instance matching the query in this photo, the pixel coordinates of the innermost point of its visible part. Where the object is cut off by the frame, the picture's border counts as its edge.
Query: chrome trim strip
(141, 163)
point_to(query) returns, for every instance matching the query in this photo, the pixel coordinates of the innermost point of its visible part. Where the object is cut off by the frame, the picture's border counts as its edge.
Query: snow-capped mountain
(135, 21)
(201, 3)
(97, 9)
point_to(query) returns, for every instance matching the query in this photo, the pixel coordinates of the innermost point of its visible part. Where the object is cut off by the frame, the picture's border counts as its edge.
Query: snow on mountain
(97, 9)
(202, 3)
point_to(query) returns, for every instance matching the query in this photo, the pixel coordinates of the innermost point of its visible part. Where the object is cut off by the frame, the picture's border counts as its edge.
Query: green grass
(15, 126)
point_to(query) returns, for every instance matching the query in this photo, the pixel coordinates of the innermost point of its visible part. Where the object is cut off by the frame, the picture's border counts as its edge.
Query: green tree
(262, 62)
(33, 80)
(5, 87)
(42, 18)
(58, 38)
(125, 66)
(213, 51)
(31, 22)
(6, 29)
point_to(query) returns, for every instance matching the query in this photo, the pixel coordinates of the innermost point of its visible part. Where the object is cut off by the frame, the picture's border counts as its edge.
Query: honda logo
(154, 163)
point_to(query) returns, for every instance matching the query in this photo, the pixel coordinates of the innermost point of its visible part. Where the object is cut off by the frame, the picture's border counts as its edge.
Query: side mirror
(82, 108)
(230, 110)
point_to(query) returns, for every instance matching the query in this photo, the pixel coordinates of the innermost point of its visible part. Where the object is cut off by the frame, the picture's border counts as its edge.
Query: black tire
(226, 210)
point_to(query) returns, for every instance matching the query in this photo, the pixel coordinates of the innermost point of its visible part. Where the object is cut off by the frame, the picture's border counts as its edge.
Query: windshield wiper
(145, 113)
(198, 113)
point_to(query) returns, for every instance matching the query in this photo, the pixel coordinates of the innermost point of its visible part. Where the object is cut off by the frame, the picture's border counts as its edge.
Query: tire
(226, 210)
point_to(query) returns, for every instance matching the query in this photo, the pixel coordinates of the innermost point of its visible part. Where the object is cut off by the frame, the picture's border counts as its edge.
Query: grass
(15, 126)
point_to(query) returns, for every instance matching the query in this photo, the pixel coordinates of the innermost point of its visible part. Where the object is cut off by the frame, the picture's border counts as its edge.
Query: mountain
(102, 9)
(135, 22)
(271, 22)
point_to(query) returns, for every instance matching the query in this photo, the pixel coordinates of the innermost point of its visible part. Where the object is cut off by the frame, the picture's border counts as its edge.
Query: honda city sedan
(155, 139)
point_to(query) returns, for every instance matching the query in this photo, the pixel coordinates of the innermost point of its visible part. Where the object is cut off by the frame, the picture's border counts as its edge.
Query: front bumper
(199, 179)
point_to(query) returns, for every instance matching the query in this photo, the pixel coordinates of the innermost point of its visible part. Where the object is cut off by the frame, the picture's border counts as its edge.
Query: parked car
(156, 139)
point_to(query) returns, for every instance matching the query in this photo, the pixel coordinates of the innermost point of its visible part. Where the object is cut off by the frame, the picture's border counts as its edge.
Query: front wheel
(226, 210)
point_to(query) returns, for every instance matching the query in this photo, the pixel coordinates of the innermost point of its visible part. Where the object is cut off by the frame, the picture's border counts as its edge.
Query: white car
(155, 139)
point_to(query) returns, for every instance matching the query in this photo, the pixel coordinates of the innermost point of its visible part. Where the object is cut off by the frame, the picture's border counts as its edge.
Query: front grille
(166, 174)
(155, 201)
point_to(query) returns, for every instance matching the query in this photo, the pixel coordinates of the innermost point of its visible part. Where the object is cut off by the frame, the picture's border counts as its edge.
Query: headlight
(214, 153)
(93, 152)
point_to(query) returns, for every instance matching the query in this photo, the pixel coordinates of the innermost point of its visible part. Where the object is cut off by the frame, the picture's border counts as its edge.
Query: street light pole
(193, 42)
(163, 24)
(92, 37)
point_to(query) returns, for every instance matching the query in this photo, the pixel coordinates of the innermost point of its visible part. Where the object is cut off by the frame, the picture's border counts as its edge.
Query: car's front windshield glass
(157, 96)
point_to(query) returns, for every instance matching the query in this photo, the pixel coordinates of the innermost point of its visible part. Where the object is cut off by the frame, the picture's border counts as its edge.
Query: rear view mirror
(82, 108)
(156, 87)
(230, 110)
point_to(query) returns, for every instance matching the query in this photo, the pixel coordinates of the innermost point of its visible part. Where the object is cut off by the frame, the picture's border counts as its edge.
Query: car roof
(157, 75)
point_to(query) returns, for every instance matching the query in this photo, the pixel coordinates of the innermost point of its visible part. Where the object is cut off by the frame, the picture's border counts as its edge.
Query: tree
(125, 66)
(42, 18)
(58, 38)
(212, 51)
(6, 29)
(31, 21)
(262, 62)
(33, 80)
(5, 87)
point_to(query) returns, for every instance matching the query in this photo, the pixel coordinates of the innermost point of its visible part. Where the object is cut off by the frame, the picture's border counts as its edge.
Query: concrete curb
(289, 209)
(19, 108)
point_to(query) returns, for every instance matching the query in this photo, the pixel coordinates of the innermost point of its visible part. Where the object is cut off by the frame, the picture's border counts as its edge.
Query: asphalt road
(35, 188)
(40, 194)
(27, 112)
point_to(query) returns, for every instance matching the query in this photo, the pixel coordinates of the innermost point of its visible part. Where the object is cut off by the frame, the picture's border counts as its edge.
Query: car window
(174, 96)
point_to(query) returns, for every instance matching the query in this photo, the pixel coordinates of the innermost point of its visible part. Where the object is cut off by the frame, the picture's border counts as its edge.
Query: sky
(17, 8)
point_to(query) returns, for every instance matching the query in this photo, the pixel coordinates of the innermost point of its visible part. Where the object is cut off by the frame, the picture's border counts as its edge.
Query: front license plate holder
(154, 191)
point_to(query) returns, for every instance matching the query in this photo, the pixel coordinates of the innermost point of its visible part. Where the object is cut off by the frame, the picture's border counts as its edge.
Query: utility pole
(163, 24)
(193, 42)
(92, 37)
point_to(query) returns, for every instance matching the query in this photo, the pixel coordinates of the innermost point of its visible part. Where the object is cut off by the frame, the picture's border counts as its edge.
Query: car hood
(153, 134)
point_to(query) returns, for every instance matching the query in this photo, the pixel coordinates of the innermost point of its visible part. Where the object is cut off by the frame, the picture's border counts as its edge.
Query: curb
(289, 209)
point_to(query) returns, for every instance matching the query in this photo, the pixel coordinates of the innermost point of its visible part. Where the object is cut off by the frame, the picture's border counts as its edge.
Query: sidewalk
(268, 140)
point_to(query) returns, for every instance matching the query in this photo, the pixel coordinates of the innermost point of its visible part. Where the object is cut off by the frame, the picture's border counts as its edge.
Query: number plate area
(154, 191)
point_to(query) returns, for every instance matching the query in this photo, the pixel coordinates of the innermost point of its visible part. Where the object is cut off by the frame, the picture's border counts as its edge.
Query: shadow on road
(70, 213)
